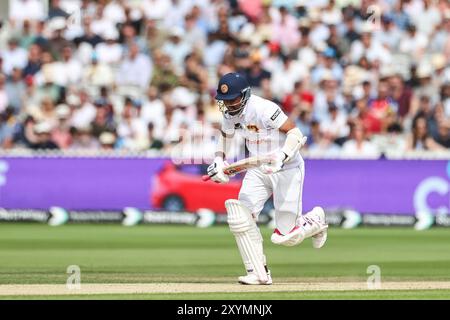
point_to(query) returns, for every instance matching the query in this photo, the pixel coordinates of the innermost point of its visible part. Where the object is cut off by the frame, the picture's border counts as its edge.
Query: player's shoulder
(261, 104)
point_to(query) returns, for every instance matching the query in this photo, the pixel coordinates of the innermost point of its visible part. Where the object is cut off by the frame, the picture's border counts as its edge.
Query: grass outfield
(111, 254)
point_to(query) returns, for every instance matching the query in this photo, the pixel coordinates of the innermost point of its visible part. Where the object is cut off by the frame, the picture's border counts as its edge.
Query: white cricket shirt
(259, 124)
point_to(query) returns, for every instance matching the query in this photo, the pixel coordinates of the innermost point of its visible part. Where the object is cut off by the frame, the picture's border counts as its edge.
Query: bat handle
(206, 177)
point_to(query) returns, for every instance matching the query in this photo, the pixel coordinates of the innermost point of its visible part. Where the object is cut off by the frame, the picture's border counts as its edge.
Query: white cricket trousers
(286, 186)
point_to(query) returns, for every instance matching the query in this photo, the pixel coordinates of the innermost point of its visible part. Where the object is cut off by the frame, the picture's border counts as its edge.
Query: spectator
(107, 140)
(83, 110)
(8, 127)
(324, 146)
(195, 75)
(413, 43)
(443, 135)
(42, 137)
(88, 36)
(369, 47)
(83, 139)
(109, 52)
(153, 143)
(285, 30)
(256, 73)
(420, 138)
(131, 130)
(177, 49)
(20, 10)
(358, 145)
(327, 64)
(299, 98)
(34, 61)
(135, 70)
(98, 74)
(15, 88)
(428, 19)
(284, 78)
(4, 100)
(335, 125)
(67, 71)
(61, 135)
(55, 10)
(14, 57)
(104, 120)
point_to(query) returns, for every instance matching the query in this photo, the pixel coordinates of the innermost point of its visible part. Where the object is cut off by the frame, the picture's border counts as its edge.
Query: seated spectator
(104, 120)
(256, 73)
(195, 76)
(83, 111)
(98, 74)
(300, 97)
(369, 47)
(328, 64)
(107, 141)
(13, 57)
(88, 35)
(131, 130)
(153, 143)
(55, 10)
(420, 139)
(42, 138)
(15, 88)
(68, 70)
(61, 134)
(34, 61)
(177, 49)
(443, 135)
(109, 52)
(284, 78)
(4, 100)
(83, 139)
(335, 125)
(9, 125)
(358, 145)
(135, 70)
(19, 11)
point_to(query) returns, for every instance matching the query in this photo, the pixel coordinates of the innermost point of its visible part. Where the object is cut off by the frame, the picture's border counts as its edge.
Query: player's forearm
(294, 141)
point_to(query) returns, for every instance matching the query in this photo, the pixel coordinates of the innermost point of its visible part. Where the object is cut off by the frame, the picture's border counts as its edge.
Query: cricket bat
(241, 166)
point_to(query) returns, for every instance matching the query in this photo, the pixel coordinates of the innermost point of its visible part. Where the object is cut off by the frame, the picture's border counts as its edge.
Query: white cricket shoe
(319, 239)
(294, 237)
(312, 224)
(252, 279)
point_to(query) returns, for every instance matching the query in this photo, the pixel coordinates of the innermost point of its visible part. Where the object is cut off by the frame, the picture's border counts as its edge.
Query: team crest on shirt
(224, 88)
(252, 127)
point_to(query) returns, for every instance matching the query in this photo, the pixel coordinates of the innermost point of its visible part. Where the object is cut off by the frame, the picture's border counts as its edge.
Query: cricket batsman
(268, 132)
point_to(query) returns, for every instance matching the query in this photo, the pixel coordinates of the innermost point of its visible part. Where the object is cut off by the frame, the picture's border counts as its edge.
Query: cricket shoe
(311, 224)
(294, 237)
(252, 279)
(319, 239)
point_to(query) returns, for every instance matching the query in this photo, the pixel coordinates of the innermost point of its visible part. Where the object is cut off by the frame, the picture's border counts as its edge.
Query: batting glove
(276, 163)
(215, 171)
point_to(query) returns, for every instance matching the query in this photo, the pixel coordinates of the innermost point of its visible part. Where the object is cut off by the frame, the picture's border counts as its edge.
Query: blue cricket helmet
(231, 86)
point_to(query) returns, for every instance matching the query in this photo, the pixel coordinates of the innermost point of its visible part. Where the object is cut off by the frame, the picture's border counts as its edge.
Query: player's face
(233, 105)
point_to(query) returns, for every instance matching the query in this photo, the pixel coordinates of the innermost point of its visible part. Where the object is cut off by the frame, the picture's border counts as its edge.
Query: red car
(177, 190)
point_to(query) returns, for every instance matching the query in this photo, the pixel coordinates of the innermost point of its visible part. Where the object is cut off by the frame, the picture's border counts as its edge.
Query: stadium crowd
(358, 77)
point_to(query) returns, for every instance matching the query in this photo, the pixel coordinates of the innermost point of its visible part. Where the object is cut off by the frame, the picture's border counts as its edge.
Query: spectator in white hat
(109, 52)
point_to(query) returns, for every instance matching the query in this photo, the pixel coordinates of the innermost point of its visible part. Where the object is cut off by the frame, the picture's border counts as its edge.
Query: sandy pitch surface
(56, 289)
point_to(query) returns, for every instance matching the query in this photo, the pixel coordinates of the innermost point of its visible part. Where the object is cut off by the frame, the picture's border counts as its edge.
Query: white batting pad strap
(247, 236)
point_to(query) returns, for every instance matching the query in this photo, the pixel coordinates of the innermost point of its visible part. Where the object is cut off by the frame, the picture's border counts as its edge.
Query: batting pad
(248, 238)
